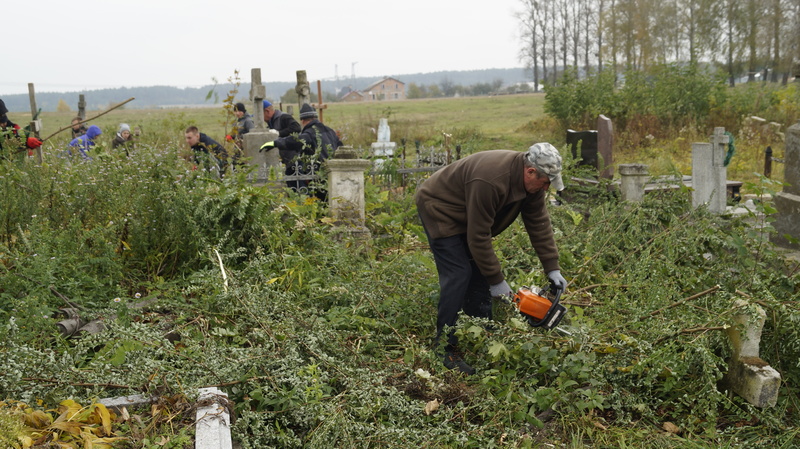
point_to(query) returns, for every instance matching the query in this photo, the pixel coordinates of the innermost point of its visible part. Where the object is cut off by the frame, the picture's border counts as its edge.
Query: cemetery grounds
(206, 282)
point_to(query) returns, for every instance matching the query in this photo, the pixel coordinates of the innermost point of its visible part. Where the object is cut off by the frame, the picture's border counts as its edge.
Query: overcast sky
(94, 44)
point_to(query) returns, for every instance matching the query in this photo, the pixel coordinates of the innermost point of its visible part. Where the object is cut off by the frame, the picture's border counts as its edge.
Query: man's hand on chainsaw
(501, 290)
(557, 281)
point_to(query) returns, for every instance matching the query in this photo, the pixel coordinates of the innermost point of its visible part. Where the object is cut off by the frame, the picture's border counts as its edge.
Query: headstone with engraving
(384, 147)
(346, 195)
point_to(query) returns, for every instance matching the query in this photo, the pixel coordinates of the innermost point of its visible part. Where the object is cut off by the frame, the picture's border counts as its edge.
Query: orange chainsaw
(540, 307)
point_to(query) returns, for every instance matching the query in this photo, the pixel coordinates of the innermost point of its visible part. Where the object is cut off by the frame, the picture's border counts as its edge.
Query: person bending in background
(280, 121)
(78, 128)
(206, 152)
(85, 142)
(302, 154)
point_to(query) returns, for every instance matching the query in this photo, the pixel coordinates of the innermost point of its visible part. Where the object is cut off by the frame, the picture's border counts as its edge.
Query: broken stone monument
(384, 147)
(709, 174)
(748, 375)
(346, 197)
(787, 221)
(633, 179)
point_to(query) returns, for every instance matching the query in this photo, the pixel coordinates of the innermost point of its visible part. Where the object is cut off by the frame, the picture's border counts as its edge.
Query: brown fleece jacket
(480, 196)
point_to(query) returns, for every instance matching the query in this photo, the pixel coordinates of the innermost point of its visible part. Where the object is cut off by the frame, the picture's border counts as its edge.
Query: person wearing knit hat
(244, 124)
(307, 112)
(467, 203)
(280, 121)
(123, 139)
(303, 154)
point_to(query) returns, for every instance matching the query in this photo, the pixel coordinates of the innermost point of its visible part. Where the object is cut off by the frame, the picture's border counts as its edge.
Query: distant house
(385, 89)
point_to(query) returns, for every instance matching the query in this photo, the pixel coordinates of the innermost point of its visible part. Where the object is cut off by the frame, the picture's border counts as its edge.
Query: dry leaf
(431, 406)
(599, 425)
(671, 428)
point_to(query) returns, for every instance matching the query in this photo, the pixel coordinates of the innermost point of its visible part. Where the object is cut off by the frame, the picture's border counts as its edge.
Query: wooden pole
(81, 106)
(34, 124)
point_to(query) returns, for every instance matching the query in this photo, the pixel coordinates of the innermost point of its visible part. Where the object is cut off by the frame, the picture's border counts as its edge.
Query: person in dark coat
(244, 123)
(206, 151)
(303, 154)
(465, 204)
(78, 128)
(280, 121)
(9, 132)
(123, 139)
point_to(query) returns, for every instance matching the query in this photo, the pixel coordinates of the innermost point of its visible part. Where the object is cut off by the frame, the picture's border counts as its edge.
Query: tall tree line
(759, 39)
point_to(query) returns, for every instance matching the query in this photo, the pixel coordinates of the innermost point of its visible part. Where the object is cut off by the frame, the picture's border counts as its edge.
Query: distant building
(385, 89)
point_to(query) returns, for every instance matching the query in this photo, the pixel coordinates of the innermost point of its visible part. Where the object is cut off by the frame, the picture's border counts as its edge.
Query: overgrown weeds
(208, 282)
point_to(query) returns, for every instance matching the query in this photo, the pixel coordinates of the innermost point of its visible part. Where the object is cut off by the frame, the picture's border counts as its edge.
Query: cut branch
(91, 118)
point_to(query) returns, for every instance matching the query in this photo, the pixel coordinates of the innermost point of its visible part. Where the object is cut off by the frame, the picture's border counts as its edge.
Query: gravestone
(787, 221)
(633, 179)
(259, 135)
(605, 146)
(588, 146)
(384, 147)
(748, 375)
(346, 196)
(709, 174)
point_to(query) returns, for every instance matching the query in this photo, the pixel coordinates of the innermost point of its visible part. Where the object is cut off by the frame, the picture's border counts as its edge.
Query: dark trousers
(461, 284)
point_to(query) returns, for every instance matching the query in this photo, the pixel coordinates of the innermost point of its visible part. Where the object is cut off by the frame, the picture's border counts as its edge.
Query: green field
(474, 123)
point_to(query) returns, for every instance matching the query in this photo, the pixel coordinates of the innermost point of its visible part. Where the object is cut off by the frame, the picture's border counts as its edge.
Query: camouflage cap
(546, 159)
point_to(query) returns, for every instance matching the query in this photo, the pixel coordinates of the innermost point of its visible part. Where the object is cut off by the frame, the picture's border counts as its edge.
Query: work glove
(500, 290)
(228, 137)
(267, 146)
(33, 143)
(557, 282)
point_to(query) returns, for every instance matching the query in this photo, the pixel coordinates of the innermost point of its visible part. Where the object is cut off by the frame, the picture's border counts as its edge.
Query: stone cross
(302, 88)
(257, 94)
(259, 135)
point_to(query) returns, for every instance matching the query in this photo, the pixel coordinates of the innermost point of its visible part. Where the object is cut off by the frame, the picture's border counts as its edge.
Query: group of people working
(461, 206)
(83, 138)
(302, 146)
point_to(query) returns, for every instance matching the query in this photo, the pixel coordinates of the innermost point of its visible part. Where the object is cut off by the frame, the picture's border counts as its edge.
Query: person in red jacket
(465, 204)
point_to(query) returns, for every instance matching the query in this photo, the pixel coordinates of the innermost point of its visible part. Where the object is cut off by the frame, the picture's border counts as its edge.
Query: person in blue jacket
(85, 142)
